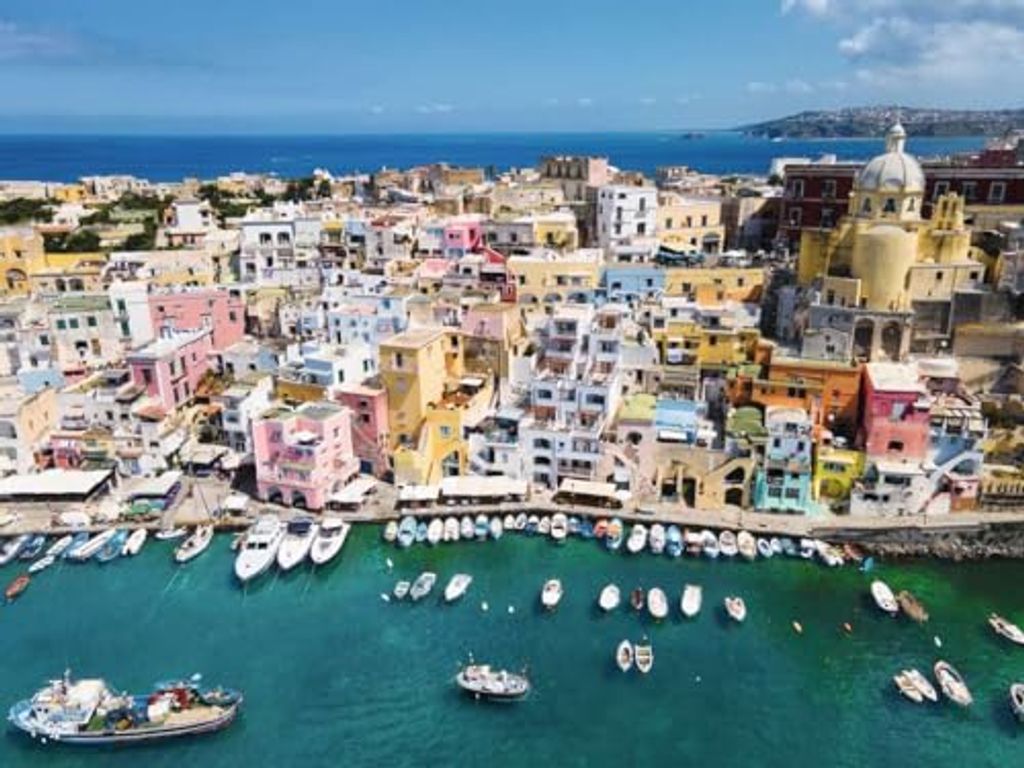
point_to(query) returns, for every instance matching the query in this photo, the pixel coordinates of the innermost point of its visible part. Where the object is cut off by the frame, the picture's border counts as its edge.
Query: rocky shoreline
(986, 543)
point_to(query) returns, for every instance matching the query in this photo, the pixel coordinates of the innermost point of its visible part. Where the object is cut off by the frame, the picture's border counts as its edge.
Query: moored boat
(298, 539)
(544, 526)
(637, 538)
(709, 545)
(747, 545)
(693, 541)
(406, 535)
(33, 547)
(60, 546)
(559, 527)
(520, 524)
(673, 541)
(457, 587)
(42, 564)
(481, 526)
(451, 529)
(466, 528)
(78, 541)
(907, 688)
(691, 600)
(12, 548)
(135, 542)
(113, 548)
(727, 544)
(193, 546)
(92, 547)
(776, 544)
(435, 531)
(736, 608)
(586, 528)
(884, 598)
(401, 589)
(912, 606)
(657, 538)
(421, 531)
(1017, 701)
(764, 548)
(532, 523)
(551, 594)
(952, 684)
(329, 540)
(508, 523)
(624, 656)
(422, 586)
(259, 551)
(613, 534)
(169, 534)
(497, 528)
(482, 681)
(1006, 629)
(922, 684)
(643, 654)
(808, 548)
(17, 586)
(390, 532)
(637, 598)
(609, 598)
(574, 525)
(657, 603)
(600, 529)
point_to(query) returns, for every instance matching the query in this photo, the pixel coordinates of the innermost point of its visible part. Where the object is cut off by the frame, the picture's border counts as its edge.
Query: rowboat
(644, 656)
(912, 606)
(636, 599)
(16, 587)
(907, 688)
(624, 656)
(609, 598)
(884, 597)
(736, 608)
(1017, 701)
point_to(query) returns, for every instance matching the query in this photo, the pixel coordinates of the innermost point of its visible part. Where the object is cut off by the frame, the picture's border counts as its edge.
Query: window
(865, 207)
(796, 188)
(796, 215)
(941, 188)
(895, 446)
(399, 359)
(828, 189)
(890, 205)
(147, 376)
(61, 325)
(73, 322)
(446, 431)
(91, 321)
(828, 218)
(641, 228)
(970, 191)
(997, 192)
(44, 340)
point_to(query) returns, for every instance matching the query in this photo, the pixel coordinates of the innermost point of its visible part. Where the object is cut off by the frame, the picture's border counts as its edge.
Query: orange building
(829, 391)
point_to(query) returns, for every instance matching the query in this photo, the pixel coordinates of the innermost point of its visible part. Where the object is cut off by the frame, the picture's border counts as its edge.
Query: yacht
(298, 539)
(747, 545)
(736, 608)
(422, 586)
(610, 598)
(194, 545)
(952, 684)
(435, 531)
(656, 539)
(258, 552)
(884, 597)
(624, 656)
(457, 587)
(691, 600)
(135, 542)
(329, 540)
(1006, 629)
(657, 603)
(551, 595)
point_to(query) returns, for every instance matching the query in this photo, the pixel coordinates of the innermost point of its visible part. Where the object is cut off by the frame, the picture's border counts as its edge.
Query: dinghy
(613, 534)
(912, 606)
(1006, 629)
(435, 531)
(551, 594)
(422, 586)
(390, 532)
(637, 539)
(401, 590)
(644, 656)
(691, 600)
(656, 540)
(624, 656)
(497, 528)
(747, 545)
(657, 604)
(1017, 701)
(451, 529)
(674, 541)
(907, 688)
(764, 549)
(559, 528)
(727, 544)
(457, 587)
(133, 545)
(520, 524)
(736, 609)
(609, 598)
(884, 598)
(544, 526)
(922, 684)
(709, 544)
(406, 532)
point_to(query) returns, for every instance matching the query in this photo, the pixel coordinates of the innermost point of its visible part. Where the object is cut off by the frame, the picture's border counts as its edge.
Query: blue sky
(328, 66)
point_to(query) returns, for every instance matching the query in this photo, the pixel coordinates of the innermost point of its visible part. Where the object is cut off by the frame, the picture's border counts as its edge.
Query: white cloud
(759, 86)
(798, 86)
(584, 101)
(434, 109)
(18, 44)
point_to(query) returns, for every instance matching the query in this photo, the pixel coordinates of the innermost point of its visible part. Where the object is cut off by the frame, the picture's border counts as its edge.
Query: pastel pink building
(462, 237)
(220, 309)
(303, 455)
(896, 412)
(169, 369)
(370, 433)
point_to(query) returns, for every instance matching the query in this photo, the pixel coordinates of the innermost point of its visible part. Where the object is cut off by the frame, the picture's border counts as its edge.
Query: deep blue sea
(171, 158)
(334, 676)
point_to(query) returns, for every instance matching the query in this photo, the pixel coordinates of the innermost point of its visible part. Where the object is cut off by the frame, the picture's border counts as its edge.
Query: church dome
(895, 170)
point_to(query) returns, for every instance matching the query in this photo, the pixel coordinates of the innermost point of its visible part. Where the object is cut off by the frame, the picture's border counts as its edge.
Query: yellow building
(713, 285)
(835, 471)
(550, 278)
(690, 223)
(688, 343)
(25, 423)
(62, 272)
(69, 193)
(19, 248)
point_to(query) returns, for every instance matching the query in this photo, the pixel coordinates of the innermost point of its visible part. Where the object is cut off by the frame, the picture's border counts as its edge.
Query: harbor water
(333, 675)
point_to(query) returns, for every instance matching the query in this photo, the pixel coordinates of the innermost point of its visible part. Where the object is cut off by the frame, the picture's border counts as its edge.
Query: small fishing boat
(853, 553)
(298, 540)
(808, 548)
(60, 546)
(907, 688)
(789, 548)
(390, 532)
(830, 556)
(736, 608)
(135, 542)
(169, 534)
(764, 548)
(422, 586)
(624, 656)
(693, 541)
(747, 545)
(497, 528)
(637, 539)
(643, 656)
(657, 539)
(952, 684)
(600, 529)
(532, 523)
(912, 606)
(111, 550)
(691, 600)
(32, 547)
(609, 598)
(194, 545)
(509, 523)
(674, 541)
(574, 526)
(78, 541)
(1017, 701)
(559, 527)
(922, 684)
(329, 540)
(451, 529)
(709, 545)
(727, 544)
(12, 547)
(16, 587)
(586, 529)
(435, 531)
(421, 531)
(551, 594)
(457, 587)
(401, 590)
(42, 564)
(406, 532)
(521, 519)
(483, 682)
(884, 598)
(259, 550)
(776, 544)
(1006, 629)
(466, 528)
(613, 534)
(637, 598)
(544, 526)
(481, 526)
(657, 603)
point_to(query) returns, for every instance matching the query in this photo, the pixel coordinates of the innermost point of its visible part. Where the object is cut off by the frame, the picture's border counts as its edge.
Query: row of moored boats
(288, 544)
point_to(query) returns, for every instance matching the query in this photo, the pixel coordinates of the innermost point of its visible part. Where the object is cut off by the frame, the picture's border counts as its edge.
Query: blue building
(631, 282)
(784, 480)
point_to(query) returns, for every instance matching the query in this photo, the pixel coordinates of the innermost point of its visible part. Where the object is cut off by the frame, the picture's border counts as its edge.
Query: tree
(79, 241)
(22, 209)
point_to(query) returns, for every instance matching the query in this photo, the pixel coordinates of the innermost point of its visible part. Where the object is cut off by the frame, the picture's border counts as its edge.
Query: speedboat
(457, 587)
(422, 586)
(674, 541)
(60, 546)
(690, 602)
(497, 528)
(390, 532)
(907, 688)
(637, 538)
(194, 545)
(435, 531)
(532, 523)
(482, 526)
(12, 547)
(657, 603)
(401, 590)
(709, 544)
(78, 541)
(624, 656)
(922, 684)
(551, 594)
(258, 552)
(330, 538)
(952, 684)
(483, 682)
(1017, 701)
(92, 547)
(764, 548)
(637, 598)
(911, 606)
(559, 527)
(656, 539)
(520, 524)
(406, 535)
(466, 528)
(727, 544)
(1006, 629)
(644, 656)
(884, 597)
(32, 547)
(451, 529)
(135, 542)
(609, 598)
(736, 608)
(613, 534)
(42, 564)
(544, 526)
(421, 531)
(297, 541)
(170, 534)
(747, 545)
(112, 549)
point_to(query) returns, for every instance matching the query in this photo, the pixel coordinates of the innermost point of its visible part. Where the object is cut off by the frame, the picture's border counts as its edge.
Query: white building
(280, 247)
(626, 215)
(242, 402)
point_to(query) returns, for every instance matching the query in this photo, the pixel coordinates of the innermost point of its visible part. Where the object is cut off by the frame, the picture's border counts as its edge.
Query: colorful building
(783, 482)
(169, 369)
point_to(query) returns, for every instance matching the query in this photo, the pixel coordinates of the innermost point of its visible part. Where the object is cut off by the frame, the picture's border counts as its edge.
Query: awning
(354, 492)
(155, 487)
(418, 493)
(236, 502)
(588, 488)
(482, 487)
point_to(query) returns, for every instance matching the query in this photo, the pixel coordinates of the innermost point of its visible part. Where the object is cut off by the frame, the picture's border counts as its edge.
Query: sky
(380, 66)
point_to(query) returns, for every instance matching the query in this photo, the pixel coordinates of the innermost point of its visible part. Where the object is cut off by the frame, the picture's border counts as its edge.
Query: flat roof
(418, 493)
(895, 377)
(54, 482)
(155, 486)
(414, 338)
(587, 488)
(482, 486)
(354, 492)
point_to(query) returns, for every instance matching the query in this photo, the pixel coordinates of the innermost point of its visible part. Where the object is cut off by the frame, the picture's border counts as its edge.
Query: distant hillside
(874, 121)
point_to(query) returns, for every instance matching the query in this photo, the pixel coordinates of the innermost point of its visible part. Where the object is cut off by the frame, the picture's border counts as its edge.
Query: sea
(334, 675)
(171, 158)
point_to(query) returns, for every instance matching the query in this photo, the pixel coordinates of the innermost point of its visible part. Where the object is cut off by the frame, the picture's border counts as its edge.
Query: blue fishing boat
(532, 523)
(112, 549)
(574, 526)
(481, 526)
(421, 531)
(586, 528)
(32, 547)
(407, 531)
(80, 540)
(674, 541)
(613, 538)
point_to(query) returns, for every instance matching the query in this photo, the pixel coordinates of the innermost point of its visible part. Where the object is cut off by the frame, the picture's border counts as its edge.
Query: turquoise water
(335, 676)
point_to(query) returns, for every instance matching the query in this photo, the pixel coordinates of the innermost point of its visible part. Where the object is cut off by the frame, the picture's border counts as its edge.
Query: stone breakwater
(981, 542)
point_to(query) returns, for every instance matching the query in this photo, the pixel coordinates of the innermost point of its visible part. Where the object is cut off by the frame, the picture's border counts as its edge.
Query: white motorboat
(451, 529)
(481, 526)
(544, 526)
(406, 535)
(907, 688)
(829, 555)
(808, 548)
(134, 543)
(637, 538)
(643, 654)
(1017, 701)
(923, 685)
(170, 534)
(709, 544)
(484, 682)
(776, 545)
(497, 528)
(59, 547)
(727, 544)
(624, 656)
(656, 539)
(747, 545)
(457, 587)
(520, 524)
(789, 547)
(329, 540)
(551, 594)
(390, 532)
(694, 541)
(12, 548)
(435, 531)
(764, 548)
(422, 586)
(884, 598)
(1006, 629)
(736, 608)
(610, 598)
(952, 684)
(194, 545)
(509, 523)
(657, 603)
(42, 564)
(559, 527)
(466, 528)
(401, 590)
(297, 541)
(92, 547)
(258, 552)
(693, 596)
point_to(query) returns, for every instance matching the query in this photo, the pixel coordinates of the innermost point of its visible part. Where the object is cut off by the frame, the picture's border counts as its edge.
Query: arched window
(866, 205)
(890, 205)
(911, 205)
